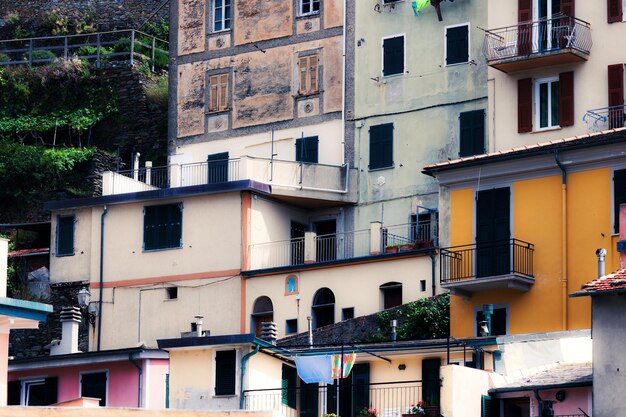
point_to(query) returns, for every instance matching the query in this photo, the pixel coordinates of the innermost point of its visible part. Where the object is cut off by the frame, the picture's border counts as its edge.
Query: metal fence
(120, 45)
(277, 254)
(536, 37)
(339, 246)
(142, 179)
(389, 399)
(605, 118)
(409, 236)
(482, 260)
(210, 172)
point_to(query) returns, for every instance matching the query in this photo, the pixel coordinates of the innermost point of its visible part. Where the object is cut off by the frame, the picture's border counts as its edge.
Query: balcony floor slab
(467, 287)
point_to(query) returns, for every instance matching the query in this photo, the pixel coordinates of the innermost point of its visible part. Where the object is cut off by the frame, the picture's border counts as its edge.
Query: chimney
(268, 331)
(621, 245)
(199, 324)
(70, 319)
(4, 253)
(601, 253)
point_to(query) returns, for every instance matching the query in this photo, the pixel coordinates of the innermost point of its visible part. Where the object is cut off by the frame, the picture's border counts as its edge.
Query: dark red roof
(614, 282)
(28, 252)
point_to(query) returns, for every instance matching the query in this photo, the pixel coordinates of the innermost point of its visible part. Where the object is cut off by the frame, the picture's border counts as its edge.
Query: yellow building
(524, 225)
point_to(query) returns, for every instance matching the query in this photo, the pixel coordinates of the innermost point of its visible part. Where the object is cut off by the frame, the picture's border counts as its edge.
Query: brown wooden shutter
(525, 32)
(313, 63)
(566, 99)
(223, 92)
(616, 95)
(525, 105)
(303, 64)
(567, 8)
(614, 11)
(213, 88)
(525, 10)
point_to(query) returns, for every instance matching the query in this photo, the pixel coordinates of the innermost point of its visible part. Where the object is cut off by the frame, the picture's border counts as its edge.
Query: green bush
(157, 91)
(56, 23)
(4, 58)
(42, 55)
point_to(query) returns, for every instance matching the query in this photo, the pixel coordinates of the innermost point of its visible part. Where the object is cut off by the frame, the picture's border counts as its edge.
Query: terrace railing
(417, 235)
(339, 246)
(142, 179)
(120, 45)
(537, 37)
(211, 172)
(605, 118)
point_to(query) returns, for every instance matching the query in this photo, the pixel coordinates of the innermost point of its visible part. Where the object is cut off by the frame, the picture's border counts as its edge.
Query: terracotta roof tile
(615, 281)
(25, 252)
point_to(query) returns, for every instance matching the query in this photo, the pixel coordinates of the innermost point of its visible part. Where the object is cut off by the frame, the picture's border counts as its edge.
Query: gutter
(105, 210)
(244, 362)
(563, 238)
(538, 388)
(140, 375)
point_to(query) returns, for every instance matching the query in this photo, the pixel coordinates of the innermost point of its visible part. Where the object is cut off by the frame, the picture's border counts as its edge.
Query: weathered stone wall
(107, 14)
(31, 343)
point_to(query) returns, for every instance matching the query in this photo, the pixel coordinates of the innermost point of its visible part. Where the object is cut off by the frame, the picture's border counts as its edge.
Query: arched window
(392, 294)
(262, 311)
(323, 308)
(291, 285)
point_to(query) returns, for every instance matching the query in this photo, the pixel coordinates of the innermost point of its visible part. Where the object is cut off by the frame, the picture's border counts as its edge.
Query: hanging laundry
(348, 363)
(314, 368)
(418, 5)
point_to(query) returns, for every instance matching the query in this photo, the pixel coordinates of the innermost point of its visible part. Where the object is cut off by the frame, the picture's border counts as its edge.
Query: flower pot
(391, 249)
(432, 411)
(406, 248)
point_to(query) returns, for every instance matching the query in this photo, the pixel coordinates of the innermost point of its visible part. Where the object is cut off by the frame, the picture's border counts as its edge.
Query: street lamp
(87, 309)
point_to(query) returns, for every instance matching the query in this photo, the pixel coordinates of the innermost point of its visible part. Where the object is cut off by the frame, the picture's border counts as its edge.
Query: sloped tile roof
(568, 374)
(614, 282)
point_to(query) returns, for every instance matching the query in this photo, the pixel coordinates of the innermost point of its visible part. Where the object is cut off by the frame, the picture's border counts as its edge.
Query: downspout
(244, 362)
(539, 401)
(104, 213)
(563, 237)
(433, 261)
(140, 375)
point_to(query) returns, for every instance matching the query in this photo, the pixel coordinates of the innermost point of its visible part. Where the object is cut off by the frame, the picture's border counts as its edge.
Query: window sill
(308, 95)
(226, 396)
(308, 15)
(456, 64)
(170, 299)
(160, 249)
(216, 112)
(219, 32)
(392, 166)
(391, 76)
(64, 255)
(547, 129)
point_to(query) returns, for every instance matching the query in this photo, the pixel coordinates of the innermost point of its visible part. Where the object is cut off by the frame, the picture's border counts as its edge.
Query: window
(291, 285)
(262, 312)
(306, 149)
(225, 364)
(309, 7)
(457, 44)
(291, 326)
(218, 92)
(33, 392)
(381, 146)
(424, 227)
(308, 67)
(392, 294)
(217, 168)
(619, 195)
(547, 103)
(498, 322)
(347, 313)
(615, 11)
(221, 15)
(616, 96)
(171, 293)
(162, 226)
(94, 385)
(393, 55)
(422, 285)
(65, 235)
(323, 308)
(289, 383)
(472, 134)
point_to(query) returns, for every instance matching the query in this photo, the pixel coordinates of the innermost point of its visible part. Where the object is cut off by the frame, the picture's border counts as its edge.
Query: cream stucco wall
(462, 389)
(590, 77)
(76, 267)
(354, 285)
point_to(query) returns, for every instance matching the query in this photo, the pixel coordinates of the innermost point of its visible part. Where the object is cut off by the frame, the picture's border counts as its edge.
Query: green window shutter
(225, 365)
(217, 165)
(307, 149)
(485, 406)
(65, 235)
(163, 226)
(381, 146)
(289, 380)
(393, 56)
(457, 49)
(472, 133)
(619, 194)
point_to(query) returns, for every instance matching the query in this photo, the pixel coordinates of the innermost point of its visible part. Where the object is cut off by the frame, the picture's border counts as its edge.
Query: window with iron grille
(218, 92)
(308, 67)
(381, 146)
(309, 7)
(221, 15)
(65, 235)
(162, 226)
(225, 364)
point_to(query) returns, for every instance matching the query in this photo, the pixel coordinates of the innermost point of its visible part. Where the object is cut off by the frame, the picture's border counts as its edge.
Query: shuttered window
(65, 235)
(485, 406)
(381, 146)
(525, 105)
(162, 226)
(307, 149)
(218, 92)
(568, 7)
(308, 67)
(393, 55)
(225, 364)
(457, 44)
(94, 385)
(619, 195)
(289, 381)
(616, 95)
(566, 99)
(472, 135)
(614, 12)
(547, 103)
(217, 167)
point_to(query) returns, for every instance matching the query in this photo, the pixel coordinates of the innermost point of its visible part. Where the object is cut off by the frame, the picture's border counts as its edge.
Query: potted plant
(415, 409)
(368, 412)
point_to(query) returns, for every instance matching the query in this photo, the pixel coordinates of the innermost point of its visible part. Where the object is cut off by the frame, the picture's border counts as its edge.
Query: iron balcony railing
(210, 172)
(339, 246)
(605, 118)
(409, 236)
(390, 399)
(142, 179)
(119, 45)
(538, 37)
(489, 259)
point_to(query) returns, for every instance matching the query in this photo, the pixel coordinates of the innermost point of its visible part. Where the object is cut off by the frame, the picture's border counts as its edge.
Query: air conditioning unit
(386, 2)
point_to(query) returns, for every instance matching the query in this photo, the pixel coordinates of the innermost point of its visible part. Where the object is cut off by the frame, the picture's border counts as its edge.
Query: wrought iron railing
(141, 179)
(120, 45)
(538, 37)
(277, 254)
(417, 235)
(483, 260)
(210, 172)
(605, 118)
(390, 399)
(339, 246)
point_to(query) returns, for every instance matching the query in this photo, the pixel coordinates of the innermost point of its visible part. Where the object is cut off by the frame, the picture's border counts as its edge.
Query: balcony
(289, 180)
(546, 42)
(312, 248)
(605, 118)
(486, 266)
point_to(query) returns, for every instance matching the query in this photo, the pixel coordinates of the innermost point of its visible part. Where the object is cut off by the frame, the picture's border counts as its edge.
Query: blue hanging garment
(312, 369)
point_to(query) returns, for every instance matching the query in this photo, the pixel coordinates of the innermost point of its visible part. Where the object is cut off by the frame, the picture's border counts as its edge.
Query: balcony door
(546, 32)
(493, 232)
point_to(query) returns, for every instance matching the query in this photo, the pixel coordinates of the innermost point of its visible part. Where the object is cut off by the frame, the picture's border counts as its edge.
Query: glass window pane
(316, 5)
(555, 103)
(543, 105)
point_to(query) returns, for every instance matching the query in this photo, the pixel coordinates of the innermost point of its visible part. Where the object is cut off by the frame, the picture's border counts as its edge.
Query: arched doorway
(262, 311)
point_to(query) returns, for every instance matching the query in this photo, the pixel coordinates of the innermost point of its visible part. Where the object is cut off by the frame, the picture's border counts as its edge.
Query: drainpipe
(140, 375)
(539, 401)
(244, 362)
(104, 213)
(563, 237)
(433, 262)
